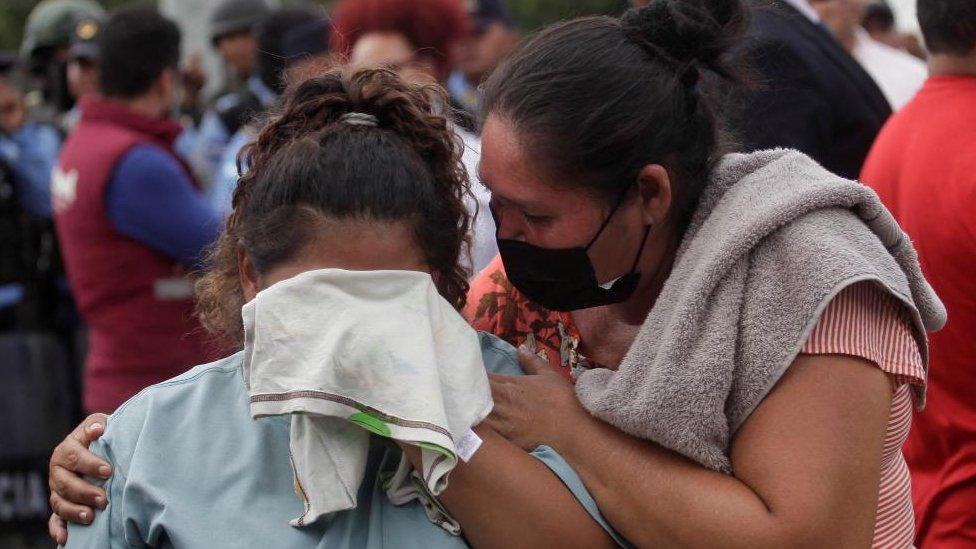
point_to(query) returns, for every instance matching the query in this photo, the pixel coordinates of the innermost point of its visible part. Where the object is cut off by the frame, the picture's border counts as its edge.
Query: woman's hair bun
(688, 31)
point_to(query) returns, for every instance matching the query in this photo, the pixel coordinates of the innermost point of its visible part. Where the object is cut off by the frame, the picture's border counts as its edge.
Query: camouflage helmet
(52, 22)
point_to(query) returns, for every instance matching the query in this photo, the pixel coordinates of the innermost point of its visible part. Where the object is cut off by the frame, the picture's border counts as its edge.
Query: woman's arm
(807, 462)
(503, 497)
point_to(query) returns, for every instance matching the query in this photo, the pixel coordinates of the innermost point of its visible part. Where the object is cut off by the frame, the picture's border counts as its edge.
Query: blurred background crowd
(96, 293)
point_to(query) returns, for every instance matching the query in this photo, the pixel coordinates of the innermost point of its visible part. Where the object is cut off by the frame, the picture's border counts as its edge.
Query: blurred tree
(534, 14)
(13, 14)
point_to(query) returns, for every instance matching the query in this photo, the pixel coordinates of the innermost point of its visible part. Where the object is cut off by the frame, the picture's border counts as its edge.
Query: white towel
(347, 353)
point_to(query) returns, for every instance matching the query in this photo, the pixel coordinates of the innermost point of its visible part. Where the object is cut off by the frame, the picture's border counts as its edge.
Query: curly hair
(307, 165)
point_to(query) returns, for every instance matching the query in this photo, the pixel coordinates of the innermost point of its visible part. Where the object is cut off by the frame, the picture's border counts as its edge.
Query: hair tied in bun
(687, 32)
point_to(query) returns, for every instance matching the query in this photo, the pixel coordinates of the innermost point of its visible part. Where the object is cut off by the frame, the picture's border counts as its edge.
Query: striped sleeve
(865, 321)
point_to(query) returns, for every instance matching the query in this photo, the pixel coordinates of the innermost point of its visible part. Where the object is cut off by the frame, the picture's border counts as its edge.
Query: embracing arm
(807, 465)
(503, 497)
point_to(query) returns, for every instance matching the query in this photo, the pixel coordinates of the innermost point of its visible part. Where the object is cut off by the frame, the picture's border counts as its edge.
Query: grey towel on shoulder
(774, 239)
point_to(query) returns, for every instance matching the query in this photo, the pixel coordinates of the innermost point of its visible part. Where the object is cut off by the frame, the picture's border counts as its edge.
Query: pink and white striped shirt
(865, 321)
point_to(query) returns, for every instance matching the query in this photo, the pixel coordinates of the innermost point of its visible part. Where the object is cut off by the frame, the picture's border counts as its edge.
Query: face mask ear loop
(640, 251)
(606, 221)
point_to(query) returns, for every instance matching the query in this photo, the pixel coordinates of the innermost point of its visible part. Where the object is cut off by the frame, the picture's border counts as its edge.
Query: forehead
(381, 48)
(509, 171)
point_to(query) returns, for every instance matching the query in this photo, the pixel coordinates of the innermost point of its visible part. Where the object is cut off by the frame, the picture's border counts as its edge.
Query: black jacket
(811, 94)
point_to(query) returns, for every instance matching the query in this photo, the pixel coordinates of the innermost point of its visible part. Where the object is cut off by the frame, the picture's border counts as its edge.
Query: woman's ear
(249, 275)
(654, 186)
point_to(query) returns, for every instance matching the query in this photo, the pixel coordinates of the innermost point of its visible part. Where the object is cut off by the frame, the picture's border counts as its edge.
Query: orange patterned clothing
(862, 321)
(496, 307)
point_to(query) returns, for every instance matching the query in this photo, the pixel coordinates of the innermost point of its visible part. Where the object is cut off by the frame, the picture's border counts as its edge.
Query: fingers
(78, 514)
(73, 455)
(72, 497)
(75, 489)
(57, 528)
(496, 424)
(501, 386)
(532, 364)
(500, 379)
(90, 429)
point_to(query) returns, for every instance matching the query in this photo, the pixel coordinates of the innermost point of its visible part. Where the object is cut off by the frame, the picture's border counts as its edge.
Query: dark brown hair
(307, 163)
(136, 45)
(948, 26)
(598, 98)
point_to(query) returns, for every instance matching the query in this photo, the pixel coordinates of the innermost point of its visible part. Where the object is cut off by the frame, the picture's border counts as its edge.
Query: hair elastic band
(359, 119)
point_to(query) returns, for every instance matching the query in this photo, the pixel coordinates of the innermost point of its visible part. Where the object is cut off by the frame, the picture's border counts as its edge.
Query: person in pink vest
(131, 220)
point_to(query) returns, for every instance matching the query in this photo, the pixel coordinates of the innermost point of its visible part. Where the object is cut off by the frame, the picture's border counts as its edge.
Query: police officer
(234, 26)
(233, 110)
(304, 47)
(39, 390)
(83, 57)
(32, 127)
(47, 38)
(233, 33)
(493, 36)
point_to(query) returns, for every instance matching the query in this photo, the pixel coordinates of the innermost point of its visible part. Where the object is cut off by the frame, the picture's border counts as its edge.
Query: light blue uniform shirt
(192, 469)
(210, 141)
(220, 194)
(32, 152)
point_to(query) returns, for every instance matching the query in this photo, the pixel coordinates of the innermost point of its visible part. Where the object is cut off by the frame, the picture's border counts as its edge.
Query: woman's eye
(537, 219)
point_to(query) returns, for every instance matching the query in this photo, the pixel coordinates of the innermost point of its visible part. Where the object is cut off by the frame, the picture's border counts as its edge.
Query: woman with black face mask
(716, 305)
(746, 332)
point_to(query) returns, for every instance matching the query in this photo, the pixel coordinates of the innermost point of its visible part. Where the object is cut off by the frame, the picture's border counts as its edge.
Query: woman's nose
(505, 226)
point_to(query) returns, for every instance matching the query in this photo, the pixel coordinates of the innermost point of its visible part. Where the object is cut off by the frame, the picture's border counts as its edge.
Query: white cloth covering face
(346, 353)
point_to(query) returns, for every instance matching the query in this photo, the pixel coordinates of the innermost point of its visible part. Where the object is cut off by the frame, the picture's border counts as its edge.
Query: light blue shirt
(31, 152)
(192, 469)
(211, 141)
(464, 93)
(220, 194)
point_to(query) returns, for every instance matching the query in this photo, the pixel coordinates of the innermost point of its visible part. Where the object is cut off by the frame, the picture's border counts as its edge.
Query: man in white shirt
(899, 74)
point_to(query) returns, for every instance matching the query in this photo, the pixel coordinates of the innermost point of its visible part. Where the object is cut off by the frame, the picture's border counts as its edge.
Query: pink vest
(136, 301)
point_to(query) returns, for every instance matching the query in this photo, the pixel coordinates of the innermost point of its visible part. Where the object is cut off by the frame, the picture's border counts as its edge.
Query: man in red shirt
(923, 165)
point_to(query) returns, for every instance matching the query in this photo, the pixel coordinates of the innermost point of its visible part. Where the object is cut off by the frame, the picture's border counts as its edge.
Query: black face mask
(563, 279)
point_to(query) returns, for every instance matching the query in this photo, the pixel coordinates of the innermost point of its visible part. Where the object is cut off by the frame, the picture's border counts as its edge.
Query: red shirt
(923, 165)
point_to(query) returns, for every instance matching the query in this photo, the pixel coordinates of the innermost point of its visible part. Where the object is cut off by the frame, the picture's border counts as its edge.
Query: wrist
(578, 426)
